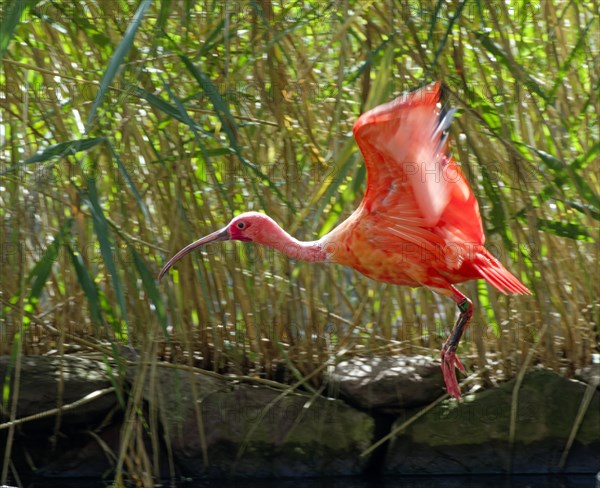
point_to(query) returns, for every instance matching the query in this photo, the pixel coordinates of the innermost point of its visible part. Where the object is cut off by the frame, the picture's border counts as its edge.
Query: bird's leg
(449, 358)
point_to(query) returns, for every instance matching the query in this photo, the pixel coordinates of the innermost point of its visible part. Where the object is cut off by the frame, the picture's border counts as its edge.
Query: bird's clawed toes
(450, 361)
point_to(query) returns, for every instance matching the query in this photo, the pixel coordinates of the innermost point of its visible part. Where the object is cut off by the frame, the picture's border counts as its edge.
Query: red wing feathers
(410, 178)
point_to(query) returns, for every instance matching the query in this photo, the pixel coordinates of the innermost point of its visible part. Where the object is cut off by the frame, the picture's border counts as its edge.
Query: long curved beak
(220, 235)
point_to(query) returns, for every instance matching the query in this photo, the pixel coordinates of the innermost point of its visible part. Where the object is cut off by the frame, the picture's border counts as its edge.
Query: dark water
(578, 481)
(555, 481)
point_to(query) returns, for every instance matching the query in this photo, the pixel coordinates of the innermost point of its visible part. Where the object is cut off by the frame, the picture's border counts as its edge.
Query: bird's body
(417, 225)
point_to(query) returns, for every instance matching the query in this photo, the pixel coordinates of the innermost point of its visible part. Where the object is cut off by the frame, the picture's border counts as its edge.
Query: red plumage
(418, 223)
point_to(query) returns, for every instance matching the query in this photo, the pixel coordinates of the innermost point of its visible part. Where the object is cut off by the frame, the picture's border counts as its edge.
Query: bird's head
(249, 227)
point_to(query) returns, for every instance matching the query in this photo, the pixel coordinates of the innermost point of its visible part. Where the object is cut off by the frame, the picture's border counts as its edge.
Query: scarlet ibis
(418, 223)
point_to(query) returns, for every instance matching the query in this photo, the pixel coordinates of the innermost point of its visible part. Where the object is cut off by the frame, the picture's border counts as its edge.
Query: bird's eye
(241, 225)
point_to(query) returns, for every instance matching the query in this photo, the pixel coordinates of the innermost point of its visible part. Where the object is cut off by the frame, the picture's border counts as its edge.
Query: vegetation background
(129, 129)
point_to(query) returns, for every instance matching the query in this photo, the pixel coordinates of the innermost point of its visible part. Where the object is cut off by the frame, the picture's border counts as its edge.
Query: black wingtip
(446, 116)
(444, 93)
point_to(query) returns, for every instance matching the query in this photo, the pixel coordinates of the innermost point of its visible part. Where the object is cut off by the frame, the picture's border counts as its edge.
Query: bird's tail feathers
(492, 271)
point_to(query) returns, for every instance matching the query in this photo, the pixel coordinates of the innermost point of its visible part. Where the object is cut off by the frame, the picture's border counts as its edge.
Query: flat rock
(226, 429)
(46, 383)
(389, 384)
(40, 386)
(472, 436)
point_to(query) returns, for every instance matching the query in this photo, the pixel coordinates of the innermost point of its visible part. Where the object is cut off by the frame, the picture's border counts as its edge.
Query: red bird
(418, 223)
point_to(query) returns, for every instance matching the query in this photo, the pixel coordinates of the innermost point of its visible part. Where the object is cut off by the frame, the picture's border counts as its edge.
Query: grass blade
(106, 248)
(564, 69)
(451, 24)
(59, 150)
(14, 13)
(163, 106)
(117, 59)
(88, 286)
(130, 183)
(38, 276)
(516, 69)
(228, 123)
(42, 269)
(571, 230)
(149, 284)
(565, 173)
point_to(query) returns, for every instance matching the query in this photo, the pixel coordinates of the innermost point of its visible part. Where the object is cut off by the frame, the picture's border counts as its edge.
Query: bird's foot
(449, 362)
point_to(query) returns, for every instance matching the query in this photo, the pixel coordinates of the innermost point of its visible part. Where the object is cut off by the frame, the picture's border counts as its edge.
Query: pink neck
(311, 251)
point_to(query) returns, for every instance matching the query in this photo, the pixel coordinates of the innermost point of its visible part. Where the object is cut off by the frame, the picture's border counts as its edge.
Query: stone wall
(215, 427)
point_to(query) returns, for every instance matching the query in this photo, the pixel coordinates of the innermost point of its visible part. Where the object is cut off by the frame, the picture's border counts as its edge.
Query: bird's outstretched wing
(415, 192)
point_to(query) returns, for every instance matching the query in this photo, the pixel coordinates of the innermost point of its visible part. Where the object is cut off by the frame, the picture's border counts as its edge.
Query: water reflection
(556, 481)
